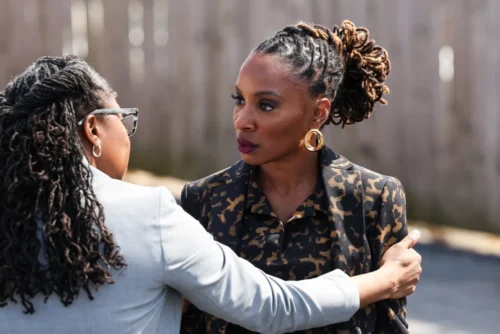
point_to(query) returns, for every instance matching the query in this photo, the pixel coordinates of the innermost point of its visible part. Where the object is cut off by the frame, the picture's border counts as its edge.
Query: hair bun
(367, 66)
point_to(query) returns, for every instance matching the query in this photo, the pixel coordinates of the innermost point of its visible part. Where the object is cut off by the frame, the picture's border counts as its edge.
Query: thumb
(411, 239)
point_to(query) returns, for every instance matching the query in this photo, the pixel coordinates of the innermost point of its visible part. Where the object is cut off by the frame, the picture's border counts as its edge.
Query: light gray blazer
(168, 254)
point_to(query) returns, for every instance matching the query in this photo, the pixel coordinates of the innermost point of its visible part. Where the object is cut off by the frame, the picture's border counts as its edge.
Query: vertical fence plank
(115, 63)
(4, 43)
(493, 128)
(52, 38)
(201, 141)
(422, 100)
(390, 121)
(95, 35)
(23, 23)
(144, 89)
(483, 112)
(444, 114)
(459, 127)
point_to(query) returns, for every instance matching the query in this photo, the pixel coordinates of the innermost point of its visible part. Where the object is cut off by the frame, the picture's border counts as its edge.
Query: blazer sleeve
(217, 281)
(390, 228)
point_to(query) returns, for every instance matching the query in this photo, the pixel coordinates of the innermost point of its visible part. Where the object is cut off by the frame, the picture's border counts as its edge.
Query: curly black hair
(52, 233)
(343, 64)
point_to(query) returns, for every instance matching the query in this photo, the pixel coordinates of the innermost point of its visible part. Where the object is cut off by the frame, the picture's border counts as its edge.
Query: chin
(254, 159)
(248, 159)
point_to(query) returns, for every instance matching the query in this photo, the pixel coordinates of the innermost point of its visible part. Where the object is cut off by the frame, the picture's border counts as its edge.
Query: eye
(266, 106)
(238, 100)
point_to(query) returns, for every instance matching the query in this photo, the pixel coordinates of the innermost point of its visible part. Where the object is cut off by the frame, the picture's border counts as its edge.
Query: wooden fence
(178, 60)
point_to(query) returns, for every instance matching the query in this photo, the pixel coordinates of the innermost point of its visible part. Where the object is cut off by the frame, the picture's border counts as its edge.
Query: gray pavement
(459, 293)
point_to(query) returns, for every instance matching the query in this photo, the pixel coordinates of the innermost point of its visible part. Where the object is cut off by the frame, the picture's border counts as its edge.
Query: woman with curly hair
(70, 226)
(293, 207)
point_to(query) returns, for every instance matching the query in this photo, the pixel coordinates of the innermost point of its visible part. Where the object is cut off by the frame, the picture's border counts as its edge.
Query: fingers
(413, 255)
(411, 239)
(411, 287)
(413, 260)
(406, 289)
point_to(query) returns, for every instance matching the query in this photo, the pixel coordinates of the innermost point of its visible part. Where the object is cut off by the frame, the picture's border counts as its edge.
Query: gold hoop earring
(97, 155)
(319, 136)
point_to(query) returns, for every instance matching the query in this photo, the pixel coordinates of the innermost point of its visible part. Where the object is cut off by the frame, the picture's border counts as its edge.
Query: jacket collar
(343, 189)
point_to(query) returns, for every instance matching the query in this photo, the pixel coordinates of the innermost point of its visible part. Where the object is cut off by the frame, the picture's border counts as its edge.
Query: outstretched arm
(212, 277)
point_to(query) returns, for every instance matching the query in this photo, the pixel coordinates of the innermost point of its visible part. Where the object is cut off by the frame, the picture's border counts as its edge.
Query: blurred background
(178, 61)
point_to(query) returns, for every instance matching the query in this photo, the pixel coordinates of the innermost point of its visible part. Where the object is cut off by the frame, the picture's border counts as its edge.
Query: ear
(91, 130)
(321, 111)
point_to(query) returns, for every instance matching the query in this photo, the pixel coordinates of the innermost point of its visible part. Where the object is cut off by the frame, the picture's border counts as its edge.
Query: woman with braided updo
(64, 148)
(293, 207)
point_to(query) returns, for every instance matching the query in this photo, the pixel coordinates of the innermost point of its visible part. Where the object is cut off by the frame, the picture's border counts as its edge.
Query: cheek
(126, 144)
(288, 132)
(121, 141)
(124, 154)
(281, 137)
(235, 117)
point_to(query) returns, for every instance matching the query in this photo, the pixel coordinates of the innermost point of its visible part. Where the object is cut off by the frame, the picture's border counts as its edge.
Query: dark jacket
(366, 210)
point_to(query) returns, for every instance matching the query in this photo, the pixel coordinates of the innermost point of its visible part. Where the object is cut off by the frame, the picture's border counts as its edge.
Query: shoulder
(109, 185)
(376, 181)
(200, 191)
(377, 184)
(373, 183)
(201, 187)
(124, 196)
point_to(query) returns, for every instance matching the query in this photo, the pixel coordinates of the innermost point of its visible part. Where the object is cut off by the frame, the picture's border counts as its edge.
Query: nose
(244, 120)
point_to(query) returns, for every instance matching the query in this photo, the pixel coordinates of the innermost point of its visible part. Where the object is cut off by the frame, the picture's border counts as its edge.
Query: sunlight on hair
(79, 44)
(446, 66)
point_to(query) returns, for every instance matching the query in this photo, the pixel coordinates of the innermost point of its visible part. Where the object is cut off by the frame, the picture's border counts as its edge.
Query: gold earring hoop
(97, 155)
(319, 137)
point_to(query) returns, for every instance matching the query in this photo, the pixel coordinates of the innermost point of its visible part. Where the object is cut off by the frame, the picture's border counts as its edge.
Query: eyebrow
(267, 92)
(262, 92)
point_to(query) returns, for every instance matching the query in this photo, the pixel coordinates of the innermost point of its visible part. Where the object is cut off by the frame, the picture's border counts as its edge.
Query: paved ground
(459, 293)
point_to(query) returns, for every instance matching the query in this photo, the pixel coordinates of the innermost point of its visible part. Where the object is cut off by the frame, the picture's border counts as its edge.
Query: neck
(296, 171)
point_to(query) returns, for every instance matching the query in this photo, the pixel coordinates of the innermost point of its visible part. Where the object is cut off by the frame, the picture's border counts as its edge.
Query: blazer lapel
(344, 191)
(227, 206)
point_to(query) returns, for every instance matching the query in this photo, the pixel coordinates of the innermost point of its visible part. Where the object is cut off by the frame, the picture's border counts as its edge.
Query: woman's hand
(401, 266)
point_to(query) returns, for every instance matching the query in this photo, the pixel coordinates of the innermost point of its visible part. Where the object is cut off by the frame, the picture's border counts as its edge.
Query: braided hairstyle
(342, 64)
(52, 233)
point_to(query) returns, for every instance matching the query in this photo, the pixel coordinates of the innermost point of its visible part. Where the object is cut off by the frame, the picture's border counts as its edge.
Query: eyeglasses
(130, 117)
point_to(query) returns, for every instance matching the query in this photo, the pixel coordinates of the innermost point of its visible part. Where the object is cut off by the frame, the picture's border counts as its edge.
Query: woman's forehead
(266, 72)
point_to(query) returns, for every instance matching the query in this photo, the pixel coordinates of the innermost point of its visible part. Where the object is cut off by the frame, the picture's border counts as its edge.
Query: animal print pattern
(347, 223)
